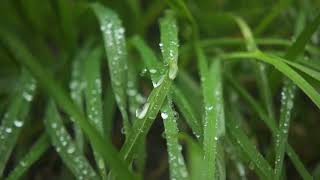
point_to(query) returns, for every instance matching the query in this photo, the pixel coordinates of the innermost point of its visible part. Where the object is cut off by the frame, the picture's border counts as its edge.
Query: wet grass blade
(259, 67)
(271, 123)
(177, 165)
(93, 98)
(155, 68)
(65, 147)
(244, 143)
(33, 155)
(278, 63)
(15, 117)
(214, 117)
(115, 47)
(288, 94)
(51, 87)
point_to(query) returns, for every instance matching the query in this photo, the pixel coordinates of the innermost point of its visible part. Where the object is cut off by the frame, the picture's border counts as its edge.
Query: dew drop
(18, 123)
(141, 113)
(164, 115)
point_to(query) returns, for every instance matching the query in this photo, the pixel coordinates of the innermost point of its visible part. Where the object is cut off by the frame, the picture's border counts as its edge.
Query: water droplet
(71, 149)
(18, 123)
(164, 115)
(152, 71)
(141, 113)
(173, 71)
(8, 130)
(156, 84)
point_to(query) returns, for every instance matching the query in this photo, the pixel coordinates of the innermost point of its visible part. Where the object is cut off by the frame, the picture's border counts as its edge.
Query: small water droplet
(8, 130)
(18, 123)
(164, 115)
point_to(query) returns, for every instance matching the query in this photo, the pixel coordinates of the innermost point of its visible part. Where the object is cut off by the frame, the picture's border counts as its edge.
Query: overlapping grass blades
(113, 35)
(103, 146)
(15, 117)
(36, 151)
(65, 146)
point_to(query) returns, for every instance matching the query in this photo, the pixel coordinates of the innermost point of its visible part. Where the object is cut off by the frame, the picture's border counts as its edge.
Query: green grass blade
(93, 98)
(260, 69)
(214, 116)
(15, 117)
(312, 73)
(271, 123)
(34, 154)
(155, 68)
(155, 100)
(288, 94)
(244, 143)
(115, 46)
(278, 63)
(177, 165)
(194, 157)
(109, 106)
(64, 145)
(187, 111)
(47, 82)
(169, 43)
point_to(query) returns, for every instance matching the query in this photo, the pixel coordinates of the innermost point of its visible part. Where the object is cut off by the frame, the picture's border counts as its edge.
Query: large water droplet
(141, 113)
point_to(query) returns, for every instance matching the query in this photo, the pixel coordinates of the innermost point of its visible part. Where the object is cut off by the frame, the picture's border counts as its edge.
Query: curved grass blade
(260, 69)
(278, 63)
(288, 94)
(15, 117)
(177, 165)
(312, 73)
(47, 82)
(64, 145)
(93, 98)
(34, 154)
(271, 123)
(115, 47)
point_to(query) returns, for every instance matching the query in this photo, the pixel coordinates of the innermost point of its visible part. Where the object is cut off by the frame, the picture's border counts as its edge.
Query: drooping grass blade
(115, 46)
(47, 82)
(15, 117)
(34, 154)
(259, 67)
(65, 147)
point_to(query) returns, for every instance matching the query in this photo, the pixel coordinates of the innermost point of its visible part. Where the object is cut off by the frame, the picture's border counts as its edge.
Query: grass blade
(288, 94)
(115, 46)
(64, 145)
(271, 123)
(15, 117)
(214, 116)
(260, 69)
(47, 82)
(34, 154)
(93, 98)
(177, 165)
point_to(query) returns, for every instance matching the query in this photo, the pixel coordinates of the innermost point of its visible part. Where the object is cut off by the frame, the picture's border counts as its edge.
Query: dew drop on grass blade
(65, 147)
(214, 117)
(115, 47)
(260, 67)
(93, 98)
(15, 117)
(53, 88)
(150, 60)
(288, 94)
(77, 86)
(177, 165)
(33, 155)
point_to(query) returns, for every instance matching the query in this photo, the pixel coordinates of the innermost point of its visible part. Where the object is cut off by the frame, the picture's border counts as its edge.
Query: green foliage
(101, 82)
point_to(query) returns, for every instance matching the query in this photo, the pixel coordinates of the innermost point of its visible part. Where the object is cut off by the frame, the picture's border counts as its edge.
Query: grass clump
(98, 94)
